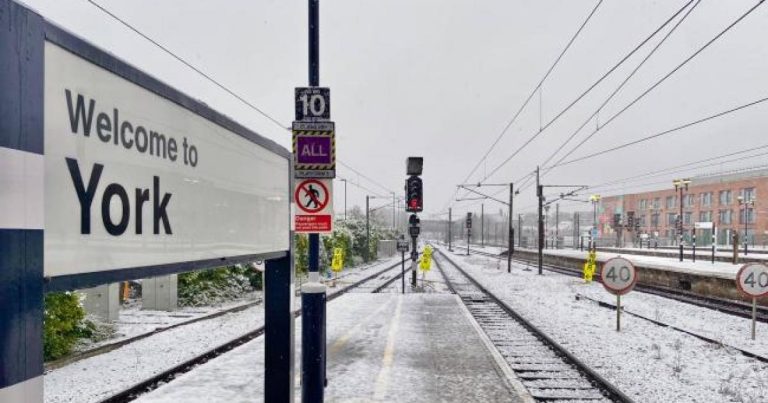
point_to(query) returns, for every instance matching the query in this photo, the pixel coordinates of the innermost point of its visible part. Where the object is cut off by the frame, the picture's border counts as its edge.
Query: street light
(681, 185)
(746, 204)
(595, 199)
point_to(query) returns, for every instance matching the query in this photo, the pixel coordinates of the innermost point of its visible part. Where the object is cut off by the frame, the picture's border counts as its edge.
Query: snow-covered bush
(213, 286)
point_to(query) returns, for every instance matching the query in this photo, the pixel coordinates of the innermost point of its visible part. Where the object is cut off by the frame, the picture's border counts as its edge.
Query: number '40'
(762, 279)
(623, 275)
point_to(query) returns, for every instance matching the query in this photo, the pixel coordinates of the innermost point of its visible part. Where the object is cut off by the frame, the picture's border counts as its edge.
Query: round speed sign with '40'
(752, 279)
(618, 275)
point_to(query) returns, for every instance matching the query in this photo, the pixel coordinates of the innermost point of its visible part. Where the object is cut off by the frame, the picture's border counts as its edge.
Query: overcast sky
(442, 78)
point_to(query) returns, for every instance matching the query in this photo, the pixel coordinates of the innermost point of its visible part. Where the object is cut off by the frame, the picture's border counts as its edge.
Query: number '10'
(315, 103)
(624, 273)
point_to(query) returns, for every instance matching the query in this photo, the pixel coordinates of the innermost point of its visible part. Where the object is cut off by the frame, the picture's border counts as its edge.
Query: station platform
(381, 347)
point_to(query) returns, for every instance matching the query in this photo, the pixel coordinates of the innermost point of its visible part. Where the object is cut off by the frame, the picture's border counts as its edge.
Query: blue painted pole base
(313, 301)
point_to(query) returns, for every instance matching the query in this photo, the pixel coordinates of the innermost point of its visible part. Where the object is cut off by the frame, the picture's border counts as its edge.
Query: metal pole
(511, 230)
(393, 211)
(618, 313)
(540, 193)
(402, 270)
(345, 199)
(694, 244)
(714, 242)
(754, 316)
(592, 232)
(557, 223)
(450, 229)
(414, 257)
(313, 294)
(680, 230)
(482, 225)
(367, 229)
(745, 228)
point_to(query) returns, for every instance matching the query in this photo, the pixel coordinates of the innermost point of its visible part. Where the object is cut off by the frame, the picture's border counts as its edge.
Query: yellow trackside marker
(590, 266)
(425, 263)
(338, 260)
(382, 381)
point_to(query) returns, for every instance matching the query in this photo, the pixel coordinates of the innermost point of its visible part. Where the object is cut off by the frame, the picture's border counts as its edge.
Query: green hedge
(63, 324)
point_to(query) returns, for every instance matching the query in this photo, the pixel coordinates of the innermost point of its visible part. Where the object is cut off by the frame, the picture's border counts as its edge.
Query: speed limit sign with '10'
(618, 275)
(752, 279)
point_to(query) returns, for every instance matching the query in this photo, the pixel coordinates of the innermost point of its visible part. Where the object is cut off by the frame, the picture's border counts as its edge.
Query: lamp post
(681, 185)
(595, 199)
(345, 198)
(746, 205)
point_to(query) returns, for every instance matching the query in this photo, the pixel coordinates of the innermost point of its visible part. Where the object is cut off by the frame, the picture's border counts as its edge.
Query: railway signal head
(414, 196)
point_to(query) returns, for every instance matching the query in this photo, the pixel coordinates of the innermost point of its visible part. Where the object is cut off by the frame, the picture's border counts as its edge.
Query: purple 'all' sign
(313, 150)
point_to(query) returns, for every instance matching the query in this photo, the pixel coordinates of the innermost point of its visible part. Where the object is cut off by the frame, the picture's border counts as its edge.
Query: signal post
(414, 203)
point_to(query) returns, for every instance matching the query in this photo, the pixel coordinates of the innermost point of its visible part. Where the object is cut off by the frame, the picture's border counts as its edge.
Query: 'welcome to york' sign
(133, 179)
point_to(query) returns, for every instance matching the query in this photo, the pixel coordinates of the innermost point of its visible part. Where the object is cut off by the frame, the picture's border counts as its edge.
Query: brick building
(709, 199)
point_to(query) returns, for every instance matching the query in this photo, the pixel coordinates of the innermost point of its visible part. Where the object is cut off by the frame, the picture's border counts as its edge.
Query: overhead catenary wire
(663, 133)
(216, 82)
(663, 79)
(536, 89)
(610, 97)
(588, 90)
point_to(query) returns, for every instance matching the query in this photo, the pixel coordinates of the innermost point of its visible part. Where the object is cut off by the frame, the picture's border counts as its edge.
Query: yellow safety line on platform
(382, 381)
(341, 341)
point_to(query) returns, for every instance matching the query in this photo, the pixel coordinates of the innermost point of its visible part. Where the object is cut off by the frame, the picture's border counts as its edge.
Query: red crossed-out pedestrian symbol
(311, 196)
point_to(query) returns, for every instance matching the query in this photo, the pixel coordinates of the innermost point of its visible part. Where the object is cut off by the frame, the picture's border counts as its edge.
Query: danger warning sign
(314, 202)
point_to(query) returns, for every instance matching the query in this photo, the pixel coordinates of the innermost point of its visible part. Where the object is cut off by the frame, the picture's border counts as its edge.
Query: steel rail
(170, 374)
(608, 389)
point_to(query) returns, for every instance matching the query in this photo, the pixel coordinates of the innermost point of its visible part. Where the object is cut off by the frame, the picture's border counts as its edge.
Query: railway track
(731, 307)
(546, 369)
(170, 374)
(607, 305)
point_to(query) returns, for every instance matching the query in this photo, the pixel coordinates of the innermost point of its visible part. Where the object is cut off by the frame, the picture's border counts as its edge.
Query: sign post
(314, 159)
(752, 280)
(619, 277)
(402, 246)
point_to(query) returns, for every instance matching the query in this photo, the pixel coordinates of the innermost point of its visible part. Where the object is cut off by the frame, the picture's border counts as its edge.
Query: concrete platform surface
(381, 347)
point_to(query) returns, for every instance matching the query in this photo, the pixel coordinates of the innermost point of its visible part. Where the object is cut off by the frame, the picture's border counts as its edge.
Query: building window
(671, 219)
(642, 204)
(750, 215)
(706, 199)
(725, 217)
(690, 200)
(725, 197)
(687, 218)
(748, 194)
(671, 201)
(657, 203)
(655, 220)
(705, 216)
(642, 220)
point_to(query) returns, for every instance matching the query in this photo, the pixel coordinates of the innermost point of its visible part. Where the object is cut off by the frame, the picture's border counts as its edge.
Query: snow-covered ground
(98, 377)
(384, 347)
(648, 362)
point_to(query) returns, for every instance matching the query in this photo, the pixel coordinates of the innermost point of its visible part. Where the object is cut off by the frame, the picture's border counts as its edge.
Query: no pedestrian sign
(314, 203)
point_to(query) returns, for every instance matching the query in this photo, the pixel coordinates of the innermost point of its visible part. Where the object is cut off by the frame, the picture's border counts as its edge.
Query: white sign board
(618, 275)
(703, 225)
(133, 179)
(752, 279)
